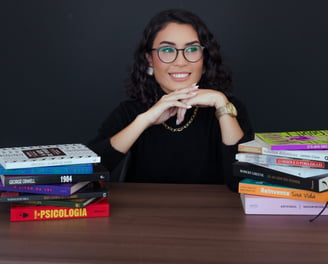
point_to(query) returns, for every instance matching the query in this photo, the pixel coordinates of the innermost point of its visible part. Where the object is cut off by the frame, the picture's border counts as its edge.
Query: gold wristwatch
(229, 109)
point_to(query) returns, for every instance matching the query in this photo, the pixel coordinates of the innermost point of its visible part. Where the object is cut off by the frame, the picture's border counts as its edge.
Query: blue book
(64, 169)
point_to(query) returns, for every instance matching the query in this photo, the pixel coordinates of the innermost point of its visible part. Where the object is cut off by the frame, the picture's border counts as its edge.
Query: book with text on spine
(302, 178)
(46, 155)
(260, 205)
(75, 203)
(255, 147)
(280, 161)
(64, 189)
(24, 212)
(294, 140)
(100, 173)
(262, 188)
(94, 189)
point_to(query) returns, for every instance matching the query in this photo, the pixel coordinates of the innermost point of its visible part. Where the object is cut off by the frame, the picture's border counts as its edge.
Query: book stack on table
(53, 182)
(284, 173)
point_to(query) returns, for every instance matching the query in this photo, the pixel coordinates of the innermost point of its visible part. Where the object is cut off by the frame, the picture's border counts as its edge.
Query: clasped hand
(177, 103)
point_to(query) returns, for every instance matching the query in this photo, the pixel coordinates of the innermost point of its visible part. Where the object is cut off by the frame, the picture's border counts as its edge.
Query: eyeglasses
(168, 54)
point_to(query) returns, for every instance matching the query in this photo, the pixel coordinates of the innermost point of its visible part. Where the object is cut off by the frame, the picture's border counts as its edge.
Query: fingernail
(189, 106)
(177, 122)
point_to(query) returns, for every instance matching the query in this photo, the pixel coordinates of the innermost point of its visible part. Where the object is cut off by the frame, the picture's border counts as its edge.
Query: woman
(179, 125)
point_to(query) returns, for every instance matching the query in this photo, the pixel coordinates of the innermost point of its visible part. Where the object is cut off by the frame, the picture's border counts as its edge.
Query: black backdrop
(64, 62)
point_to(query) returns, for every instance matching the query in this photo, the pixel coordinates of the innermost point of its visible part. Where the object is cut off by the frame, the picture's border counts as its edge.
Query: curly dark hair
(144, 88)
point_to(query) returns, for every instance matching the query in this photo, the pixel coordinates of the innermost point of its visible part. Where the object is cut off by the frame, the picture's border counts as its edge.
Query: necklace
(179, 129)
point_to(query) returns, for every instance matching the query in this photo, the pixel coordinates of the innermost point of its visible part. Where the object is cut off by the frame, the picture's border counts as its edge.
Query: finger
(180, 115)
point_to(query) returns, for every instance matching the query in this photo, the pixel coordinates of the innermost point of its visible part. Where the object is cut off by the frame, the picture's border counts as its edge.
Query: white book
(264, 205)
(255, 147)
(279, 160)
(46, 155)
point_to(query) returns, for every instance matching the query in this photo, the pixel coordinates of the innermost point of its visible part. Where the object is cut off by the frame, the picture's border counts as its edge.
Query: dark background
(64, 62)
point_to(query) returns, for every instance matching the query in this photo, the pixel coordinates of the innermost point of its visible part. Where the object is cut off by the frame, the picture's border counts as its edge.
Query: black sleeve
(229, 152)
(123, 115)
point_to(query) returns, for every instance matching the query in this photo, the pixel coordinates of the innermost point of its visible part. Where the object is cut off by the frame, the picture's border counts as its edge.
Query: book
(75, 203)
(100, 173)
(280, 161)
(259, 205)
(24, 212)
(262, 188)
(64, 189)
(66, 169)
(308, 179)
(46, 155)
(93, 189)
(255, 147)
(294, 140)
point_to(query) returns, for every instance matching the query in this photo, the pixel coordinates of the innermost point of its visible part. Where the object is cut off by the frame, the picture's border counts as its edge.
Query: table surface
(166, 223)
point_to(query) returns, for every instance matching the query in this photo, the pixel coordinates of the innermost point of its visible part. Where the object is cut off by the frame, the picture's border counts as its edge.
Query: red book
(26, 212)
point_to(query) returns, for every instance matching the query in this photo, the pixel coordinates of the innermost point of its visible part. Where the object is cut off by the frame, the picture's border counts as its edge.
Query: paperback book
(260, 205)
(64, 189)
(94, 189)
(46, 155)
(75, 203)
(100, 173)
(294, 140)
(24, 212)
(262, 188)
(280, 161)
(309, 179)
(255, 147)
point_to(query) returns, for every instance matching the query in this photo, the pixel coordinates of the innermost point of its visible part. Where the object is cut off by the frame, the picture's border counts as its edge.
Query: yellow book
(249, 186)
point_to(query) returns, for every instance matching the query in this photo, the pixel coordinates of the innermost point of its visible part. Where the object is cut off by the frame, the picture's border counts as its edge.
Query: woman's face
(180, 73)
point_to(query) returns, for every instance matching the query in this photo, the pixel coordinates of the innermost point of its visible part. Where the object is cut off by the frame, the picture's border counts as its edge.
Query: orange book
(25, 212)
(261, 188)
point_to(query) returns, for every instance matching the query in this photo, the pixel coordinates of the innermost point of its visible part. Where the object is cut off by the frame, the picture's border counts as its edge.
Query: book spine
(69, 169)
(45, 163)
(282, 192)
(9, 180)
(300, 147)
(280, 206)
(50, 189)
(35, 213)
(251, 171)
(12, 197)
(277, 160)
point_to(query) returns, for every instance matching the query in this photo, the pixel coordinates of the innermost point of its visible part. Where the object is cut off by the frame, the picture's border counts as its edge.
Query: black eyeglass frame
(177, 53)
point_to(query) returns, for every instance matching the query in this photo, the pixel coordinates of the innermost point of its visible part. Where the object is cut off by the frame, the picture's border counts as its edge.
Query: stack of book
(284, 173)
(53, 182)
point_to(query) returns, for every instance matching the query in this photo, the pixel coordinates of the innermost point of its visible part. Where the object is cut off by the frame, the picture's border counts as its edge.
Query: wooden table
(167, 223)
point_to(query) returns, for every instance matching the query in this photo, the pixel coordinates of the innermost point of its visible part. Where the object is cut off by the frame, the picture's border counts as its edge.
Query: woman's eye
(167, 50)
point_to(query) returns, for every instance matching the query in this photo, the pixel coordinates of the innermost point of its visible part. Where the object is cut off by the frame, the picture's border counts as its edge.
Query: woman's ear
(149, 59)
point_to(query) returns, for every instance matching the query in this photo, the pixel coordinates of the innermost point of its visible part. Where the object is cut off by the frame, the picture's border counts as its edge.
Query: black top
(194, 155)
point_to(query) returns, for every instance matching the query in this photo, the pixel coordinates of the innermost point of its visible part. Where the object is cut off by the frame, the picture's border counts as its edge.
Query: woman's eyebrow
(173, 44)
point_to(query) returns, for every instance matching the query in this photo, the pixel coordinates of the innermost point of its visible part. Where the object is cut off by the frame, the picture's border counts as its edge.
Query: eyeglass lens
(169, 54)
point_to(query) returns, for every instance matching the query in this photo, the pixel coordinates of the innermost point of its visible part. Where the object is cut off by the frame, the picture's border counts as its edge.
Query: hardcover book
(66, 169)
(94, 189)
(64, 189)
(100, 173)
(47, 155)
(294, 140)
(260, 205)
(24, 212)
(308, 179)
(255, 147)
(262, 188)
(280, 161)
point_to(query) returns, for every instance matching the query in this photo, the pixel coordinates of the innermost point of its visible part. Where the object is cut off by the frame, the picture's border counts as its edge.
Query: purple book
(64, 189)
